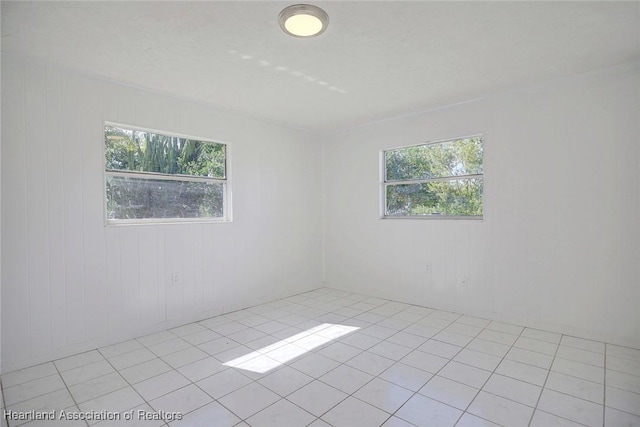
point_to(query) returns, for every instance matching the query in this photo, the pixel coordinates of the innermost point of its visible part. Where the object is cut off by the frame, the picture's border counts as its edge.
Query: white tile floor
(332, 358)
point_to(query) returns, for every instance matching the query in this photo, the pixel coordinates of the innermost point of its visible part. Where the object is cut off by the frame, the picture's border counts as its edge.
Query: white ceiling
(376, 60)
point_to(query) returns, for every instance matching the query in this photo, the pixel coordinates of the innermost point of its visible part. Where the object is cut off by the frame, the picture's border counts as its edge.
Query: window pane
(140, 151)
(441, 160)
(136, 198)
(459, 197)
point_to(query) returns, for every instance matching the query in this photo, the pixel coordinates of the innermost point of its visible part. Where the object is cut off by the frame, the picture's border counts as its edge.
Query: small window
(159, 177)
(435, 180)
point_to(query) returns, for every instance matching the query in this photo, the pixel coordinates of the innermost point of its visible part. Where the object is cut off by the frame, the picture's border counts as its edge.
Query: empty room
(338, 213)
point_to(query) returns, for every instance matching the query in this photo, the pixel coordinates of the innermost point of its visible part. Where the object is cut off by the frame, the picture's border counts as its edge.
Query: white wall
(71, 284)
(0, 216)
(559, 246)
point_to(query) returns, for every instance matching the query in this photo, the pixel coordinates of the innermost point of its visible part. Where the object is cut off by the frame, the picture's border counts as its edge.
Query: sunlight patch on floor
(283, 351)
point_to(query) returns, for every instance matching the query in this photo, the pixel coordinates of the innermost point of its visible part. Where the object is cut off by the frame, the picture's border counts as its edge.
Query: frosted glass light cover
(303, 25)
(303, 20)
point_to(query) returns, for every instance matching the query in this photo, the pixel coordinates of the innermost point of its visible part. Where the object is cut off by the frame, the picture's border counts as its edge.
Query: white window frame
(226, 182)
(384, 183)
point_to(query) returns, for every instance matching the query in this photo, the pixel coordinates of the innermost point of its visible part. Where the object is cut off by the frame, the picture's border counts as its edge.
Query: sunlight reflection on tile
(274, 355)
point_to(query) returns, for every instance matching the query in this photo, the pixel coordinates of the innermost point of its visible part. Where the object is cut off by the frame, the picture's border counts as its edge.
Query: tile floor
(332, 358)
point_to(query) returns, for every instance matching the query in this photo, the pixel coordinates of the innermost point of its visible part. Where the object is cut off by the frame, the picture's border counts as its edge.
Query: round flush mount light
(303, 20)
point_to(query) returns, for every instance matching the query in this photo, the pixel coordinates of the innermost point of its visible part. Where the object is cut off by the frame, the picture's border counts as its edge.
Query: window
(158, 177)
(435, 180)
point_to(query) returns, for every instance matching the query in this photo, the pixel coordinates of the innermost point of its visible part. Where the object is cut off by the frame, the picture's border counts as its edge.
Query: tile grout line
(545, 382)
(492, 373)
(40, 395)
(536, 366)
(464, 411)
(604, 390)
(367, 350)
(77, 405)
(129, 384)
(435, 374)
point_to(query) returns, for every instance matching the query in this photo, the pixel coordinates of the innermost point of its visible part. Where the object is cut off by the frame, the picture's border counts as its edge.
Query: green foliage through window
(438, 179)
(152, 176)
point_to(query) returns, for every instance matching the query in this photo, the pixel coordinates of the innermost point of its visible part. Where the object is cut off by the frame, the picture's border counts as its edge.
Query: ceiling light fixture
(303, 20)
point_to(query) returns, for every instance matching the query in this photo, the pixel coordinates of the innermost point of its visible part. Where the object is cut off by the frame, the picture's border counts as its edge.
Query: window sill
(435, 217)
(164, 221)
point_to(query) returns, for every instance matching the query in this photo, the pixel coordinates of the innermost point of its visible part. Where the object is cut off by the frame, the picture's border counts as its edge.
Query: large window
(435, 180)
(158, 177)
